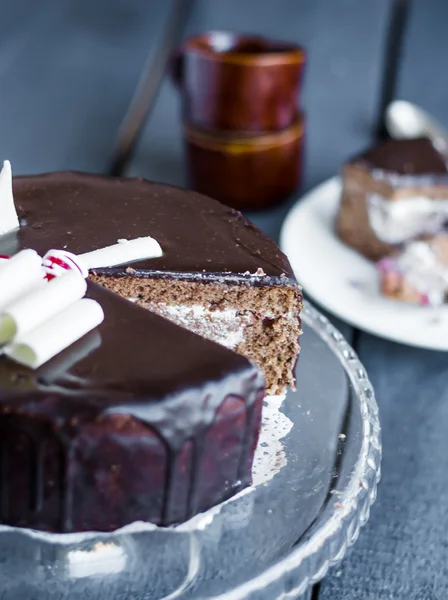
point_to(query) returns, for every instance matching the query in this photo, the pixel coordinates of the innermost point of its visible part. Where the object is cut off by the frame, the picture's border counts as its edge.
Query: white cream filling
(424, 271)
(395, 221)
(226, 327)
(9, 220)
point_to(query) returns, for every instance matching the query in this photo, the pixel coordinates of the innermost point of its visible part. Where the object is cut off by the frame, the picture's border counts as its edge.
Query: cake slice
(140, 420)
(418, 273)
(219, 275)
(393, 192)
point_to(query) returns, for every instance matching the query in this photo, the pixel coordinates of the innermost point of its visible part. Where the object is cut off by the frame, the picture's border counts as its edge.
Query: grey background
(68, 70)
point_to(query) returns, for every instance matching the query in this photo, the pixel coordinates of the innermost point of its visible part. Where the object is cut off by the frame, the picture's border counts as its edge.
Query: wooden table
(68, 70)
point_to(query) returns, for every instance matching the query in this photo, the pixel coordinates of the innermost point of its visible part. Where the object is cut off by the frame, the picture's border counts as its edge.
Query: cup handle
(176, 66)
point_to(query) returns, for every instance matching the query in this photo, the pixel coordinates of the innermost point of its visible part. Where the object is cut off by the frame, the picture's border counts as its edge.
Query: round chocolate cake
(142, 418)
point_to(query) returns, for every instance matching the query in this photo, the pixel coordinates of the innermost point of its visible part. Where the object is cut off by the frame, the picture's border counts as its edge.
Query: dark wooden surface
(68, 70)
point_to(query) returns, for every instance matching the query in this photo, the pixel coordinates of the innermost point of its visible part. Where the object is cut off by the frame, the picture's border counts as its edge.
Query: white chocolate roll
(125, 251)
(39, 345)
(40, 304)
(58, 262)
(8, 215)
(19, 275)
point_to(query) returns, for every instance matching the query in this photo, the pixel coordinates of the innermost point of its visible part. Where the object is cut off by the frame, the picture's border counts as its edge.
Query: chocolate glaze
(178, 386)
(404, 157)
(131, 362)
(196, 234)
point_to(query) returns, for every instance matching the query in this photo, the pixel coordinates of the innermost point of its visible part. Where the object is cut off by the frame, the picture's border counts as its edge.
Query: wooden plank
(67, 75)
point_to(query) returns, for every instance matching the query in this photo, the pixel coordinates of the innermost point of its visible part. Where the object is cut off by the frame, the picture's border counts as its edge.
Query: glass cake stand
(267, 543)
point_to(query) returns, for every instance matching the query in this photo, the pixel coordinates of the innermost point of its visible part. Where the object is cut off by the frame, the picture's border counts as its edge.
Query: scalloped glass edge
(329, 540)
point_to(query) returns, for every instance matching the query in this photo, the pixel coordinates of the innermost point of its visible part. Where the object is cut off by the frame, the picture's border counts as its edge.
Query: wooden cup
(238, 82)
(245, 172)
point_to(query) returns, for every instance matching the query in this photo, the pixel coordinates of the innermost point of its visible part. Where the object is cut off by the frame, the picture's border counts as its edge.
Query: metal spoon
(405, 120)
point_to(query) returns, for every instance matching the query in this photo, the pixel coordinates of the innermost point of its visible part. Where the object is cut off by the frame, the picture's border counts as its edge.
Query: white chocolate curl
(19, 275)
(39, 345)
(125, 251)
(9, 220)
(58, 262)
(40, 304)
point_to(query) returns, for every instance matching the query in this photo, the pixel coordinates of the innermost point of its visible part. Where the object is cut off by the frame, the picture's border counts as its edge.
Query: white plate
(345, 283)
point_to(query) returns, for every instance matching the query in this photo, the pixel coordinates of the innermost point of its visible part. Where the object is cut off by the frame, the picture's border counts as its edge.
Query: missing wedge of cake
(218, 276)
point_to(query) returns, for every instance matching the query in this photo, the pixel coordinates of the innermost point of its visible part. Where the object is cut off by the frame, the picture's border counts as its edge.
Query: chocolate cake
(139, 420)
(219, 275)
(142, 419)
(393, 192)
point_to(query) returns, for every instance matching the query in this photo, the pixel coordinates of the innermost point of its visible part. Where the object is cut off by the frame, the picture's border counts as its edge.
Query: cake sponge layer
(262, 323)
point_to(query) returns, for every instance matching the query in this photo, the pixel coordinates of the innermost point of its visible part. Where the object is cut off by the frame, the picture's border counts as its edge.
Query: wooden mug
(245, 171)
(238, 82)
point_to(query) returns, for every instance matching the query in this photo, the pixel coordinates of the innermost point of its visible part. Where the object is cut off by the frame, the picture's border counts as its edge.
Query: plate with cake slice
(371, 246)
(151, 449)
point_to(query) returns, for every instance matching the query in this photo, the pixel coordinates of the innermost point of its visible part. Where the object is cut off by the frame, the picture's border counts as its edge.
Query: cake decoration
(41, 318)
(38, 346)
(40, 304)
(9, 220)
(56, 262)
(19, 275)
(123, 252)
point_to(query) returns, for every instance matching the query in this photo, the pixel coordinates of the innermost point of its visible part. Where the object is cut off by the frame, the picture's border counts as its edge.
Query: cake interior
(260, 322)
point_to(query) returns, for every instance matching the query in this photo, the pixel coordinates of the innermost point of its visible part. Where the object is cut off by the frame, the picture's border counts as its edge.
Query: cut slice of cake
(140, 420)
(219, 275)
(393, 192)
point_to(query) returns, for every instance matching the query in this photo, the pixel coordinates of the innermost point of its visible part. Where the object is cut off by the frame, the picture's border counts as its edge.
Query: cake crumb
(130, 271)
(260, 272)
